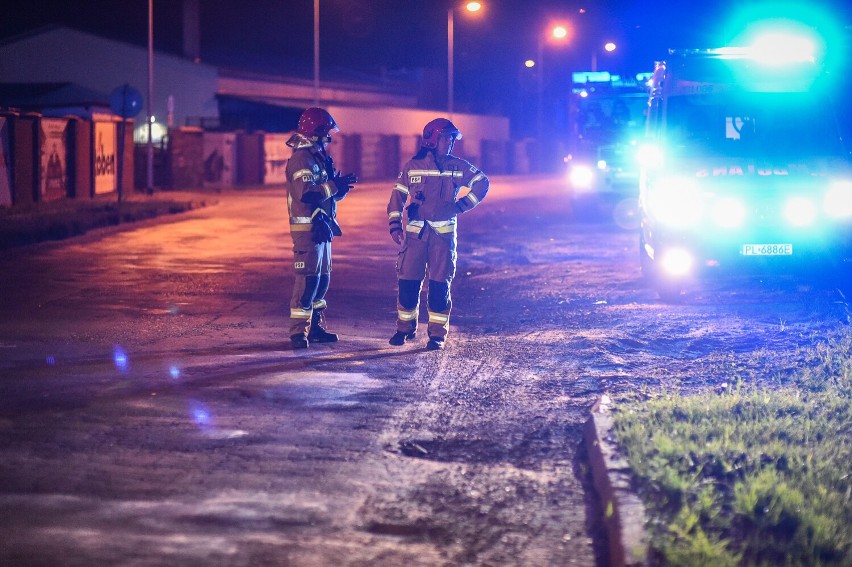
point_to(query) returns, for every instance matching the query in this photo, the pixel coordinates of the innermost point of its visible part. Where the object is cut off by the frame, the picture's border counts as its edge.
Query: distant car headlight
(728, 212)
(581, 176)
(800, 211)
(676, 202)
(602, 164)
(838, 200)
(677, 262)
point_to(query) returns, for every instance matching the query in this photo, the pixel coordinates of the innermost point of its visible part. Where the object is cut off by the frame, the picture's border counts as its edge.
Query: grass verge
(754, 475)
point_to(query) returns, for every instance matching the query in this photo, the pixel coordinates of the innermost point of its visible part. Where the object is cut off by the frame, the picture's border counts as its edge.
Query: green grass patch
(760, 474)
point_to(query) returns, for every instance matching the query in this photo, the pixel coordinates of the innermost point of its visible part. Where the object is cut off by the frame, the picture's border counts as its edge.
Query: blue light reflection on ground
(174, 372)
(119, 357)
(200, 414)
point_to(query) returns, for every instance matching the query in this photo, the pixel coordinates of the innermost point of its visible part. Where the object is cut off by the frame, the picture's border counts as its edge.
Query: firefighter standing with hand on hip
(430, 183)
(314, 187)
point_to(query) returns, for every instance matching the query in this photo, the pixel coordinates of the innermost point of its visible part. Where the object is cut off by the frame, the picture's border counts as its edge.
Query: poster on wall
(54, 159)
(5, 171)
(276, 154)
(105, 174)
(219, 151)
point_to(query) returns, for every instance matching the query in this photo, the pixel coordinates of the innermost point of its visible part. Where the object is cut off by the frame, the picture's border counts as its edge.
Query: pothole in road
(454, 450)
(321, 389)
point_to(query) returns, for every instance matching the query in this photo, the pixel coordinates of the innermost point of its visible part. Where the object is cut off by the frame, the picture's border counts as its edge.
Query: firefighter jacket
(431, 188)
(310, 188)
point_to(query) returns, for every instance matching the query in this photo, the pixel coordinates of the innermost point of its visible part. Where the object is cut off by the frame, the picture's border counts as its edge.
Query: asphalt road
(152, 412)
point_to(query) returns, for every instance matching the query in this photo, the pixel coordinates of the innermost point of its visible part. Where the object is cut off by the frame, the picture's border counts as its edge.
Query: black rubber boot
(299, 341)
(399, 338)
(435, 343)
(318, 334)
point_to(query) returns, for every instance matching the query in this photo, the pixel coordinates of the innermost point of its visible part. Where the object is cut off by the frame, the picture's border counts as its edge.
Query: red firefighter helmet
(316, 123)
(436, 128)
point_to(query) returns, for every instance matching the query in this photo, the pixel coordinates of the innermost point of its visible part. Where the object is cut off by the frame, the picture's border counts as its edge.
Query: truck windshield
(753, 125)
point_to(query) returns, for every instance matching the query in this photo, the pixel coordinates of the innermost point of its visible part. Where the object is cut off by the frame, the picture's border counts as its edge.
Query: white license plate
(767, 250)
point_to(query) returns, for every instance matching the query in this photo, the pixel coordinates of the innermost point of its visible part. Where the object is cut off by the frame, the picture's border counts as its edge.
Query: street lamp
(316, 51)
(557, 34)
(470, 7)
(150, 117)
(609, 47)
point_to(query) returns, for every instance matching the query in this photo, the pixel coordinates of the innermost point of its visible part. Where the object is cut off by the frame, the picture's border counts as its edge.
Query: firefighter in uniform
(430, 183)
(314, 187)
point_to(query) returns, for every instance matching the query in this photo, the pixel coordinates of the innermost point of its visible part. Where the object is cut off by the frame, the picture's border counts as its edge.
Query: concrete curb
(624, 513)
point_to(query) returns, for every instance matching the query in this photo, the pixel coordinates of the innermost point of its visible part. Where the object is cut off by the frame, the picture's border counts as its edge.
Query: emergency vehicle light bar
(770, 48)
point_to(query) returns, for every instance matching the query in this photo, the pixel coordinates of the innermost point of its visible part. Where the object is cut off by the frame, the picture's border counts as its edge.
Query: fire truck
(607, 118)
(743, 166)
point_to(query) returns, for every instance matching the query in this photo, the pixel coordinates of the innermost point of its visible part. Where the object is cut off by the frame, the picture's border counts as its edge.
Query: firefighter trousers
(425, 250)
(312, 266)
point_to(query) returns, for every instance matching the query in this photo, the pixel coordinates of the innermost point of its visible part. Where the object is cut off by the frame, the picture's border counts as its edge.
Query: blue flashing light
(780, 48)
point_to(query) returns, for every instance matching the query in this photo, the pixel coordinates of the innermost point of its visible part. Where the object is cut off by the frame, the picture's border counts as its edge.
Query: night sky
(393, 37)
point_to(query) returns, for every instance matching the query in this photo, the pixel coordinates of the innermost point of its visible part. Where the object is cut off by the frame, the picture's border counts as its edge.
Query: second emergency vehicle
(743, 166)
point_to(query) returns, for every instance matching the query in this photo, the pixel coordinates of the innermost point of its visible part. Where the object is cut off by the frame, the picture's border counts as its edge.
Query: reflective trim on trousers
(301, 313)
(407, 315)
(440, 318)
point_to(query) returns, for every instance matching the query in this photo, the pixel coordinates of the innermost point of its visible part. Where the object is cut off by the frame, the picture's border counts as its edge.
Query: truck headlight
(676, 202)
(800, 211)
(728, 212)
(838, 200)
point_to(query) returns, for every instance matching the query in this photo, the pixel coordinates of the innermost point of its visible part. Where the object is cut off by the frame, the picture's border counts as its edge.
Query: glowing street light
(609, 47)
(470, 7)
(556, 34)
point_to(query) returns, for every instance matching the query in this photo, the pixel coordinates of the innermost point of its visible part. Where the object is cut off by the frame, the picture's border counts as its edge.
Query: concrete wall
(408, 124)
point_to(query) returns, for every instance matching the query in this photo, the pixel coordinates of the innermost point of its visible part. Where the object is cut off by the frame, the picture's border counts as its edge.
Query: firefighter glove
(396, 234)
(344, 184)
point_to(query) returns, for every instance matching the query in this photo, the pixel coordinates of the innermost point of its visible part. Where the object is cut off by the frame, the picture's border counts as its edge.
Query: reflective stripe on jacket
(309, 189)
(435, 188)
